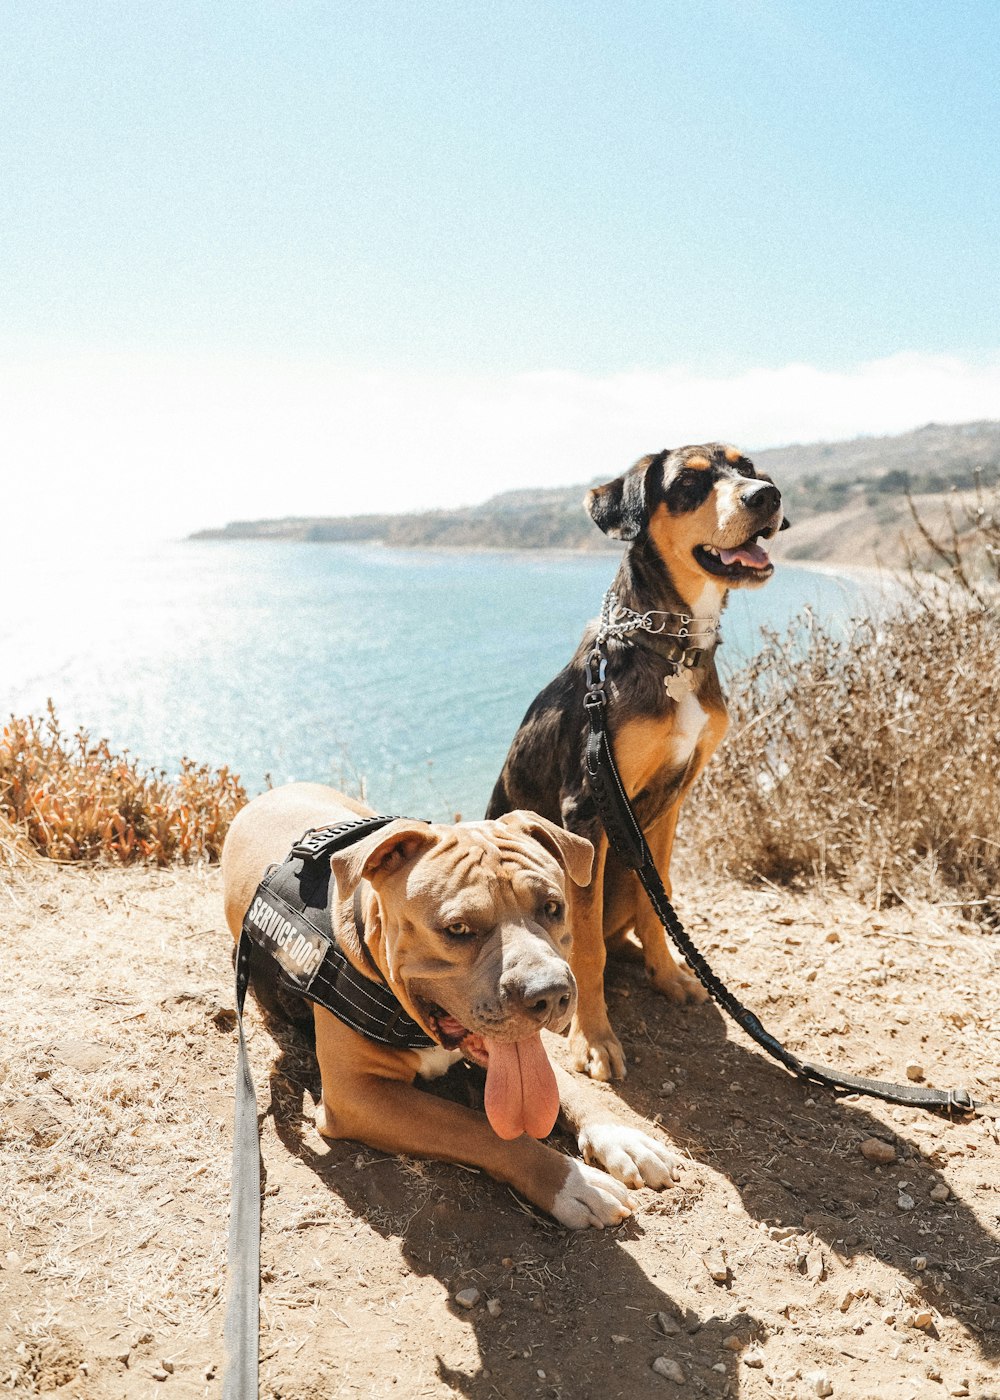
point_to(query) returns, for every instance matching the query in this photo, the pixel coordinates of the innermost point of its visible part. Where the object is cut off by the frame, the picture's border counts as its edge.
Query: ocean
(400, 675)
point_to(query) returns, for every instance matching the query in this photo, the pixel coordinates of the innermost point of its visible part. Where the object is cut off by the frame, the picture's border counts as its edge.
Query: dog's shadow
(792, 1150)
(577, 1315)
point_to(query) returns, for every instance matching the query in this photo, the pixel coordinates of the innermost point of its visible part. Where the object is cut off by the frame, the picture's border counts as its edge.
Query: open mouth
(521, 1093)
(747, 562)
(454, 1036)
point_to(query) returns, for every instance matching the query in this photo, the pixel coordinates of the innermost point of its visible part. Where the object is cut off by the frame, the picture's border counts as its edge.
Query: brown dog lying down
(467, 927)
(692, 519)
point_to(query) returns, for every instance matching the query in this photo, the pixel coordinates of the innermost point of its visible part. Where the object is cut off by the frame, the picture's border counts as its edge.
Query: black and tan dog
(466, 926)
(693, 519)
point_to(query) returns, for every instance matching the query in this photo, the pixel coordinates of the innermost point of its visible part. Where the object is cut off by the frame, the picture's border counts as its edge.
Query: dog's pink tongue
(749, 554)
(521, 1091)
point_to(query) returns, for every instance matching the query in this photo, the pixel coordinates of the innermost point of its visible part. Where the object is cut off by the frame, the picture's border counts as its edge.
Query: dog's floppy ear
(379, 854)
(621, 508)
(574, 853)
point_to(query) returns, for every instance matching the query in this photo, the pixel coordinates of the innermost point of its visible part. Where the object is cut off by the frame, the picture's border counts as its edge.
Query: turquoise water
(406, 671)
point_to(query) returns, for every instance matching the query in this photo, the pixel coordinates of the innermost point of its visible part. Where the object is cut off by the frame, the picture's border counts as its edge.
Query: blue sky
(453, 202)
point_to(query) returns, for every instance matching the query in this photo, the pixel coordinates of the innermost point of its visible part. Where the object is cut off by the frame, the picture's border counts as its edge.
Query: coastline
(856, 573)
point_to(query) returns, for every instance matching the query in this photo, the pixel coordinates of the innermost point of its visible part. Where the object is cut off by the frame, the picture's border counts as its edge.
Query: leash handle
(242, 1326)
(626, 838)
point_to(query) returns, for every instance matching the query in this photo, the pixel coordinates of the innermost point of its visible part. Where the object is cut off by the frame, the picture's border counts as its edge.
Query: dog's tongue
(521, 1091)
(750, 554)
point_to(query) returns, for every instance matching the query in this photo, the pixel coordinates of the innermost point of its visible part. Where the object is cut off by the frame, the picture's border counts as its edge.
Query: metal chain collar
(687, 644)
(619, 622)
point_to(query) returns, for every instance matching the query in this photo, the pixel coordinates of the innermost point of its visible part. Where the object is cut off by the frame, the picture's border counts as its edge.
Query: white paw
(590, 1197)
(630, 1155)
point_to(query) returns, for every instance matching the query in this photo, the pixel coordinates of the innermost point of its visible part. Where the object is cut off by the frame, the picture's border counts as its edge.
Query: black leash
(629, 844)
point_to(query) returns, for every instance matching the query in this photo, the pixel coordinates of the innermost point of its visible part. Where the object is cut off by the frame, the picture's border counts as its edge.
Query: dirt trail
(115, 1105)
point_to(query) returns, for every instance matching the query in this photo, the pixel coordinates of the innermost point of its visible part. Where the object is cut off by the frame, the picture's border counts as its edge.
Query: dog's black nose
(762, 496)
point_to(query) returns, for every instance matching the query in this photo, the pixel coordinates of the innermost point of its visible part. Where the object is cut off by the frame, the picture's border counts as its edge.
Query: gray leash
(242, 1327)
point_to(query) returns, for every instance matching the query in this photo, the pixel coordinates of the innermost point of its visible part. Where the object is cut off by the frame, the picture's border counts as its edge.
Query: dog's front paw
(677, 984)
(590, 1197)
(601, 1056)
(631, 1156)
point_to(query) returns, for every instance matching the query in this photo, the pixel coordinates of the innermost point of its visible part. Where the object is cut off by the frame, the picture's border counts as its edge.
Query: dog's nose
(762, 496)
(546, 996)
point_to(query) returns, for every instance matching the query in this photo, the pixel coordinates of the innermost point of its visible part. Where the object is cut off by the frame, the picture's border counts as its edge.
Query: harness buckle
(960, 1101)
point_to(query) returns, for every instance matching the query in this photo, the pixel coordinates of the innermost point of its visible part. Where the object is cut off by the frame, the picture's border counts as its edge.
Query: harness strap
(626, 839)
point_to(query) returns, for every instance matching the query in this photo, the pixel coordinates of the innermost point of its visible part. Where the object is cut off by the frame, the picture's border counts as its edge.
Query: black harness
(290, 921)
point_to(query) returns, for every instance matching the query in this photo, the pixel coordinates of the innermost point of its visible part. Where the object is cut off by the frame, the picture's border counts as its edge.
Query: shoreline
(856, 573)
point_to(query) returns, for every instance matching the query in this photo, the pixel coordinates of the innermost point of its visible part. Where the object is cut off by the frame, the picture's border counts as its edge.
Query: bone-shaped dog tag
(679, 684)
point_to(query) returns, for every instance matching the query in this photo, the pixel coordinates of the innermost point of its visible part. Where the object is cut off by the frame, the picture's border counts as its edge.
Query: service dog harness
(290, 922)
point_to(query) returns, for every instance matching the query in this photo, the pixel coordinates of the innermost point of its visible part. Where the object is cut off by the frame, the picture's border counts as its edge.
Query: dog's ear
(621, 508)
(379, 854)
(574, 853)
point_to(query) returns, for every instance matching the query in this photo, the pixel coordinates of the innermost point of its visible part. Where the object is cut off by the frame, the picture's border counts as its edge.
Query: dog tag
(679, 684)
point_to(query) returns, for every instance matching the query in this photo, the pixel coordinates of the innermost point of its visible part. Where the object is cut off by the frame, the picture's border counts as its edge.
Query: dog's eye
(552, 909)
(744, 468)
(689, 489)
(458, 928)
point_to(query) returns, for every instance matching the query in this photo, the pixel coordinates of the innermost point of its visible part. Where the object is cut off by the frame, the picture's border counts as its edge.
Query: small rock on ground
(874, 1149)
(666, 1366)
(716, 1265)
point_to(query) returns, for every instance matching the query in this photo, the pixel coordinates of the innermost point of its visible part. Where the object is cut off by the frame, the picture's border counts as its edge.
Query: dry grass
(105, 1120)
(969, 549)
(872, 759)
(73, 799)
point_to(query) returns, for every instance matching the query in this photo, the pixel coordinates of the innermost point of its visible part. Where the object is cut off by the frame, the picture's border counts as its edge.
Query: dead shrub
(871, 759)
(73, 799)
(968, 552)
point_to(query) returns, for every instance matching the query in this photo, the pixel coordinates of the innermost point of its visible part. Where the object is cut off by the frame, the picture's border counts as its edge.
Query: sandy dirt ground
(786, 1263)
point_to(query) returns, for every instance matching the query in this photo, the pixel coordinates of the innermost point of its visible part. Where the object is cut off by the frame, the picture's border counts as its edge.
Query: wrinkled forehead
(715, 458)
(486, 857)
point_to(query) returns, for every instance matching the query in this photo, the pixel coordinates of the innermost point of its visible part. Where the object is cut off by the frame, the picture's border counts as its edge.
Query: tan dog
(467, 926)
(693, 519)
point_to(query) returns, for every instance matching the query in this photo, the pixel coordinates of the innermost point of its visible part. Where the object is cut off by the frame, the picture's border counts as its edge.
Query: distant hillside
(515, 520)
(855, 490)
